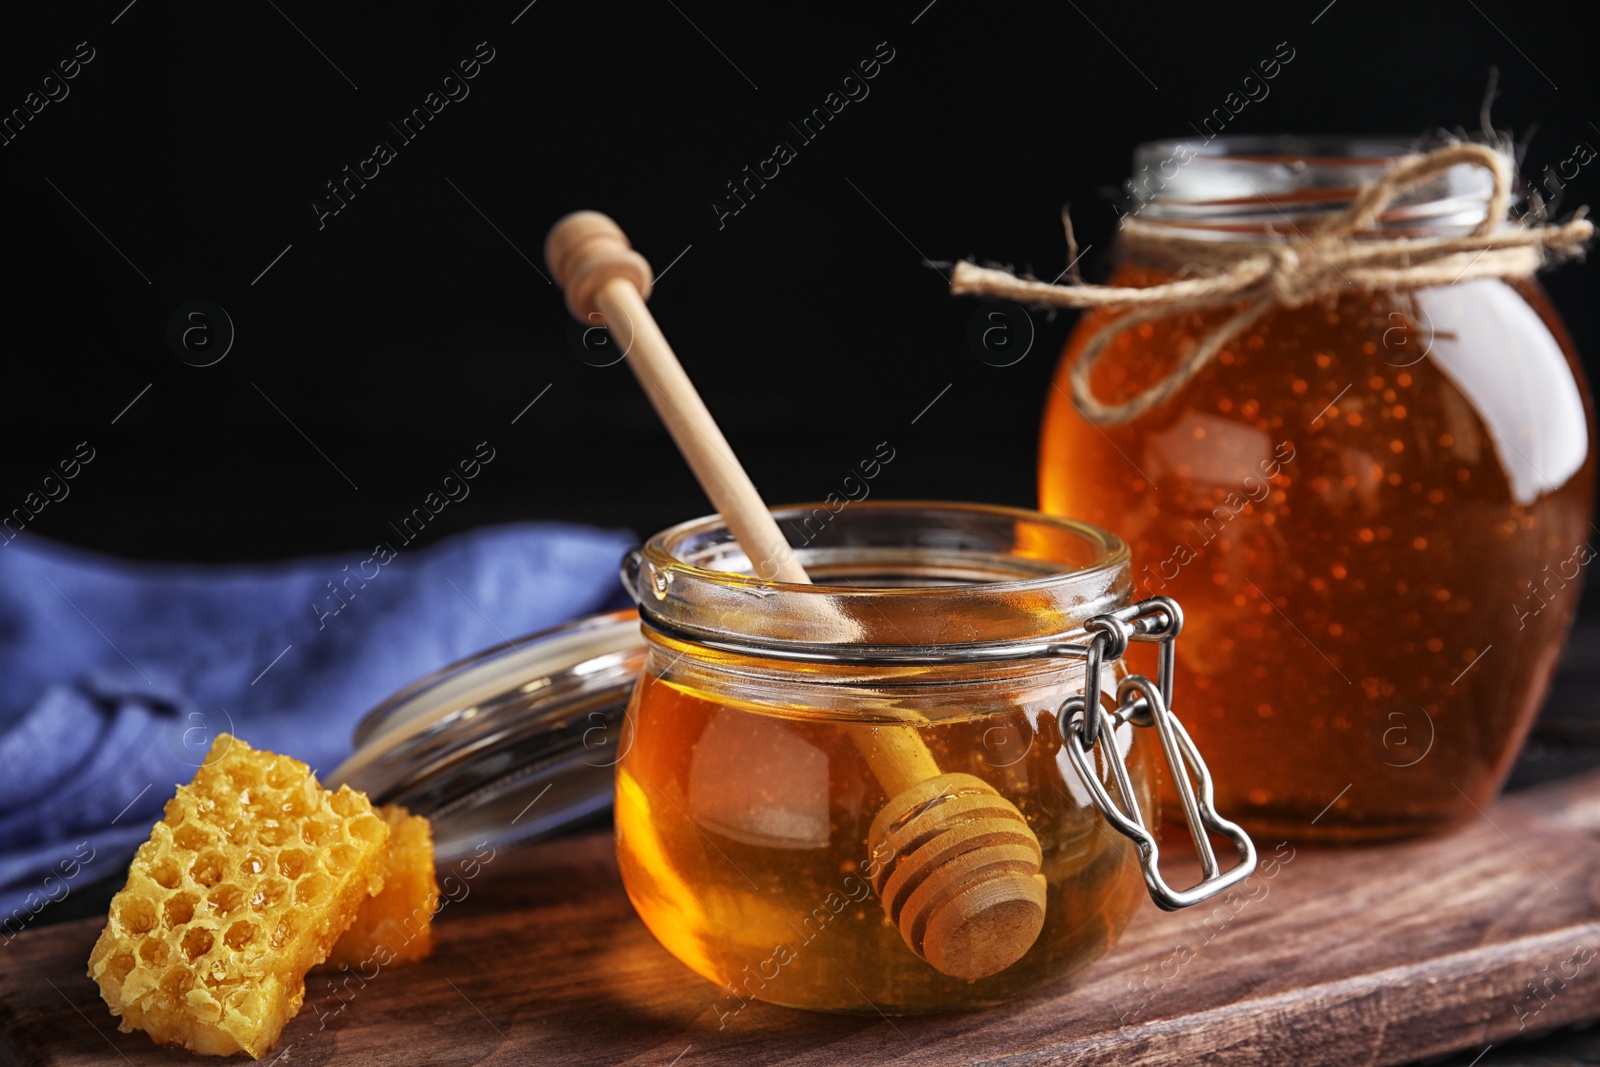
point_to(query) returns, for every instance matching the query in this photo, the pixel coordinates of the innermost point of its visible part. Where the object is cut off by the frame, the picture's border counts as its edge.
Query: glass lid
(512, 743)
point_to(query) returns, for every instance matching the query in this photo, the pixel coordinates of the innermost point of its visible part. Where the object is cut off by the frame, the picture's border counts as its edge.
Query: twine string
(1254, 276)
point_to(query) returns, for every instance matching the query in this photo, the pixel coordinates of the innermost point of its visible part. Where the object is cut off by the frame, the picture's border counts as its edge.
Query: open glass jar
(797, 752)
(1374, 506)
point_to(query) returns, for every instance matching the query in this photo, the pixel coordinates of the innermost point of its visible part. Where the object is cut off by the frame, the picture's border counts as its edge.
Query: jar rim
(889, 574)
(1333, 150)
(1228, 184)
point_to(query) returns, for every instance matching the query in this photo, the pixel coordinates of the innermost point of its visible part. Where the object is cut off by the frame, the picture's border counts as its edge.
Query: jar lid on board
(509, 744)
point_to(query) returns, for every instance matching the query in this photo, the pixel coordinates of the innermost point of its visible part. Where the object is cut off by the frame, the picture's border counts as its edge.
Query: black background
(415, 323)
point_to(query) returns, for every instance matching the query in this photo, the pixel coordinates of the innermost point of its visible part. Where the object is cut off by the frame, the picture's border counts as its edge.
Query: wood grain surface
(1381, 955)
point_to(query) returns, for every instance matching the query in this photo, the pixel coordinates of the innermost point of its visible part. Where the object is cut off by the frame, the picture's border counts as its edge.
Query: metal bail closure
(1144, 703)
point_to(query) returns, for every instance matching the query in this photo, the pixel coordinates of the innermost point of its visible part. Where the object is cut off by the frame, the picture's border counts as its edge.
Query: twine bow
(1280, 271)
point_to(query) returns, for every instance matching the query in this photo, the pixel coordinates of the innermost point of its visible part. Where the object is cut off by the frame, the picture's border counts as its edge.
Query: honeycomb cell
(179, 909)
(207, 870)
(215, 975)
(197, 941)
(226, 899)
(154, 952)
(268, 894)
(121, 965)
(240, 935)
(190, 837)
(136, 914)
(176, 982)
(341, 856)
(284, 932)
(296, 805)
(225, 976)
(166, 874)
(292, 863)
(319, 832)
(312, 889)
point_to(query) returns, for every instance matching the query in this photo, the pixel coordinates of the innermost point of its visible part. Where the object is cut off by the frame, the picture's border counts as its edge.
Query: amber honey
(1374, 510)
(742, 834)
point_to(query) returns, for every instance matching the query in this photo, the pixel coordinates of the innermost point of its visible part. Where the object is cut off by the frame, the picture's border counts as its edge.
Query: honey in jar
(1374, 506)
(747, 799)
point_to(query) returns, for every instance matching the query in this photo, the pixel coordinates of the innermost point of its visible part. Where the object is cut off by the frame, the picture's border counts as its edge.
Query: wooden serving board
(1380, 955)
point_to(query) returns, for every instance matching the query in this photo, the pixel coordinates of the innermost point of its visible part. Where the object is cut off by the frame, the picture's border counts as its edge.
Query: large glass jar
(1374, 507)
(752, 779)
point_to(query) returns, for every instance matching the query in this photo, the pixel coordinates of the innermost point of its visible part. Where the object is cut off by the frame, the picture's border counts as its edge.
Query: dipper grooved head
(959, 875)
(584, 251)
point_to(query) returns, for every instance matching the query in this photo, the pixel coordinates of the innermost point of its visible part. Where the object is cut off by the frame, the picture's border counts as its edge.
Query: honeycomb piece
(396, 926)
(245, 884)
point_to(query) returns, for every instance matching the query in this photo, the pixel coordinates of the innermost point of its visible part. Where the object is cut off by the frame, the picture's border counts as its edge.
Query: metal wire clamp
(1085, 723)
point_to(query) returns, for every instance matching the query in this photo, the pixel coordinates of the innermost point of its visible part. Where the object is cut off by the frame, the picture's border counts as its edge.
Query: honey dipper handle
(592, 261)
(898, 756)
(696, 434)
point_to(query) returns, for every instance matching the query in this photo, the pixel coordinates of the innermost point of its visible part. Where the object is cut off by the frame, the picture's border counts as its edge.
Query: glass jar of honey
(846, 796)
(1373, 505)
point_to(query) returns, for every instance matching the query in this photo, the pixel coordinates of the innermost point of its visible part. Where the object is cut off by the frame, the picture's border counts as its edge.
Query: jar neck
(853, 689)
(1242, 188)
(891, 575)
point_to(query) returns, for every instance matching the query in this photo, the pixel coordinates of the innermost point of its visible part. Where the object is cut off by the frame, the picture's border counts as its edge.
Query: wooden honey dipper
(956, 865)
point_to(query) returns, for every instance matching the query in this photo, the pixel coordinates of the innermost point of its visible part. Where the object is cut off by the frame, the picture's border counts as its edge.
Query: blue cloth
(115, 676)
